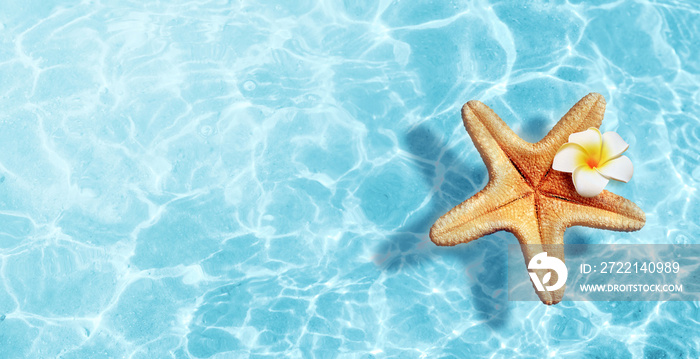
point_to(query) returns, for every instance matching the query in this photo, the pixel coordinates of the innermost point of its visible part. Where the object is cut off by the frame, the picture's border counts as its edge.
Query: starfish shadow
(429, 151)
(410, 245)
(535, 129)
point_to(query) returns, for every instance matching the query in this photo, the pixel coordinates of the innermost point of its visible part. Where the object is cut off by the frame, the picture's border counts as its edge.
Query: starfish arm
(604, 211)
(532, 160)
(540, 235)
(557, 251)
(492, 137)
(482, 214)
(488, 211)
(587, 112)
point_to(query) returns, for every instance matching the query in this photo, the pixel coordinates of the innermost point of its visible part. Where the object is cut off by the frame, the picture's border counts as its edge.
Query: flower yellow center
(592, 162)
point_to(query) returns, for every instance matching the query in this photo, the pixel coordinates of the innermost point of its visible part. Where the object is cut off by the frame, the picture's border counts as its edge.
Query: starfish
(525, 196)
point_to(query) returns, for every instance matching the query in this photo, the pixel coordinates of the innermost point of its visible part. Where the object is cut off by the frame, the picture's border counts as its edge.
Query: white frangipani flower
(594, 159)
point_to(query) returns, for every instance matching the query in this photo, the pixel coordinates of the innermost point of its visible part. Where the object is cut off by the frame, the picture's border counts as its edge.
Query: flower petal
(619, 169)
(591, 140)
(569, 157)
(613, 146)
(588, 182)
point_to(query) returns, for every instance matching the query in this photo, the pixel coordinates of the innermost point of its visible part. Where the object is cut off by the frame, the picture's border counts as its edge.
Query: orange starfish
(525, 196)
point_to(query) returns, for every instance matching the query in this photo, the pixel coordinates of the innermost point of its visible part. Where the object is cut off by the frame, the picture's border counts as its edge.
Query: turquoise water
(226, 179)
